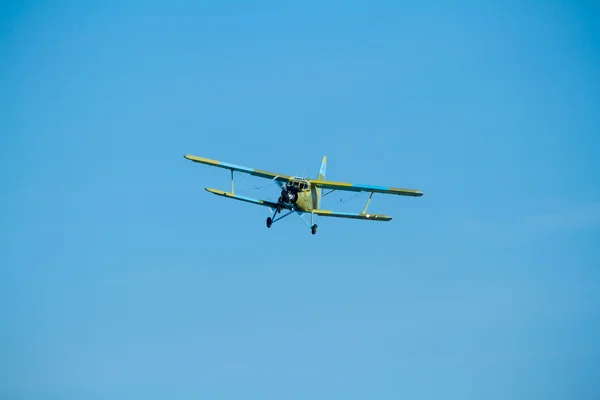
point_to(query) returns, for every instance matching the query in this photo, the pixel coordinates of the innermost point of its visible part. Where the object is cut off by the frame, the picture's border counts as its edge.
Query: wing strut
(368, 202)
(232, 186)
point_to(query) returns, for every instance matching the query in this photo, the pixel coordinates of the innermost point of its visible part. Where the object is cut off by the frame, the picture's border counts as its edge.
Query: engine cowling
(289, 195)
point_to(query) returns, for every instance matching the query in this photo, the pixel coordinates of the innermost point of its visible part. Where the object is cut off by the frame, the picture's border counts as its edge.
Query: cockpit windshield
(300, 185)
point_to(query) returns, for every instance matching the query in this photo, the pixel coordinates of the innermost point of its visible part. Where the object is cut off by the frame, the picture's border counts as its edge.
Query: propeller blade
(280, 184)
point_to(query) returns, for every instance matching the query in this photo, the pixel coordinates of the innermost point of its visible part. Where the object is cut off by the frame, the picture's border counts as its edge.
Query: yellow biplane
(303, 195)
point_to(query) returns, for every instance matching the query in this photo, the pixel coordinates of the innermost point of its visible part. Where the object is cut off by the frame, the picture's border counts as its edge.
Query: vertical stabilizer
(322, 172)
(323, 169)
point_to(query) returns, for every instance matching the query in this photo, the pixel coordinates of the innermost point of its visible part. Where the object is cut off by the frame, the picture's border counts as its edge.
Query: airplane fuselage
(306, 201)
(308, 198)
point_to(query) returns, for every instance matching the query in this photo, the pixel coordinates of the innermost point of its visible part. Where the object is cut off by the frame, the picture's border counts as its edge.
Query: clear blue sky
(123, 279)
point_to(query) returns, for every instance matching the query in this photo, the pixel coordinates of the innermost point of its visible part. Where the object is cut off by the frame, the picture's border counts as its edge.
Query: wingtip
(192, 157)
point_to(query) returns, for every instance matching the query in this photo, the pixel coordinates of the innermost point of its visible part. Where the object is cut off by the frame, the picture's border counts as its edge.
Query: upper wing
(240, 168)
(365, 188)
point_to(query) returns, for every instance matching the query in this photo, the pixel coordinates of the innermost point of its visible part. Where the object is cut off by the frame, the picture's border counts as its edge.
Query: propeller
(280, 184)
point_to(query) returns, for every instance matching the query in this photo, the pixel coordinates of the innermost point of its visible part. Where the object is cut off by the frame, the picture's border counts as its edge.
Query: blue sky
(122, 278)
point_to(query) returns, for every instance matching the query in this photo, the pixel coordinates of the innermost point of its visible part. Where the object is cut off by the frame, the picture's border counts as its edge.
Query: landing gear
(273, 219)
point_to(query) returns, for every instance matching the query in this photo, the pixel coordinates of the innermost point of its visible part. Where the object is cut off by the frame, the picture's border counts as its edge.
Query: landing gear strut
(272, 220)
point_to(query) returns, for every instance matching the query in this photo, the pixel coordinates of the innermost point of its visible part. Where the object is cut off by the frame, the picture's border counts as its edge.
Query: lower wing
(370, 217)
(229, 195)
(322, 213)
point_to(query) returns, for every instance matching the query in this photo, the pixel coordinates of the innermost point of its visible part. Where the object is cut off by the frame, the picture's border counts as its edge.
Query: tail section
(322, 172)
(323, 169)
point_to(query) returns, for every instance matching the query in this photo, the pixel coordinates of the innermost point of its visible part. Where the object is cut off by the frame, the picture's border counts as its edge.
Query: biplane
(302, 195)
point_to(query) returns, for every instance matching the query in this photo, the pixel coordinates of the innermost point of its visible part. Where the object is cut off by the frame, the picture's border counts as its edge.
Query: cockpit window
(301, 185)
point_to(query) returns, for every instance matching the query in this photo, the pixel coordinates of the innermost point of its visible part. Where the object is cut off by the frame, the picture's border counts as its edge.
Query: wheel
(269, 222)
(314, 229)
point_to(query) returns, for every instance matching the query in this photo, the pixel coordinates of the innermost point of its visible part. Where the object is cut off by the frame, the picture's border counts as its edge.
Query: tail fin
(323, 169)
(321, 177)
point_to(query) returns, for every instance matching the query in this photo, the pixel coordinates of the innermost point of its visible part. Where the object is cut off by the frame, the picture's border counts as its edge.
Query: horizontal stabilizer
(370, 217)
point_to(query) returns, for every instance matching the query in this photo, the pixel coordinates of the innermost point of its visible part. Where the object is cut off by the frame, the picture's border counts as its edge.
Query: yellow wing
(252, 171)
(365, 188)
(370, 217)
(315, 182)
(234, 196)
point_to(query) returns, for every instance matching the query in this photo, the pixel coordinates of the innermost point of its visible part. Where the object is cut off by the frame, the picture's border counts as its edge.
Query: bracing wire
(351, 197)
(258, 187)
